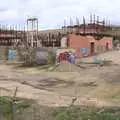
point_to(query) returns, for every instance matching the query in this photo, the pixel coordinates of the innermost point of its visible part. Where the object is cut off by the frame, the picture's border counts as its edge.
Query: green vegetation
(81, 113)
(9, 107)
(51, 58)
(25, 111)
(116, 37)
(4, 53)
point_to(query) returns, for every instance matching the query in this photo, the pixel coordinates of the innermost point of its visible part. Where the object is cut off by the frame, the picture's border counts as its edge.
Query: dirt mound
(67, 67)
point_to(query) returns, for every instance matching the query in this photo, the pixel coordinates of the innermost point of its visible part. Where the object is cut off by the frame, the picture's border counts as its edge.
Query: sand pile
(67, 67)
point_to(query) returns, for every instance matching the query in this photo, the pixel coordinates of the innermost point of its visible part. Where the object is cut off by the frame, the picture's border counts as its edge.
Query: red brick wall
(78, 42)
(103, 42)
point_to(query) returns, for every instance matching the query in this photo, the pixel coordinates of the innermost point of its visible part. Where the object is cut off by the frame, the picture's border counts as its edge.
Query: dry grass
(101, 83)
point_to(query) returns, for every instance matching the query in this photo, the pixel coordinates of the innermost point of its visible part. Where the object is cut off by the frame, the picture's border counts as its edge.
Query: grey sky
(51, 13)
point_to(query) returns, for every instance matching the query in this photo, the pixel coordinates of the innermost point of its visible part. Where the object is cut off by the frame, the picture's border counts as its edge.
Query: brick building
(89, 45)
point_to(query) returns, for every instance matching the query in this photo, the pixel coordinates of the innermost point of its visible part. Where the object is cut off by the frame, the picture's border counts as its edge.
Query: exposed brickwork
(78, 42)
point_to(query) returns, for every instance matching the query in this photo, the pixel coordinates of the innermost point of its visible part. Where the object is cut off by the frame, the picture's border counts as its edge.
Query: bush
(4, 53)
(51, 58)
(81, 113)
(27, 56)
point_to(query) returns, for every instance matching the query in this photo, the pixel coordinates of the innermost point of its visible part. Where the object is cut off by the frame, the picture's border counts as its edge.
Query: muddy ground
(90, 85)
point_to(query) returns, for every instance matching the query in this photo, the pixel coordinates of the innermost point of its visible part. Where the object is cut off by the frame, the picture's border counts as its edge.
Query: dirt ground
(90, 85)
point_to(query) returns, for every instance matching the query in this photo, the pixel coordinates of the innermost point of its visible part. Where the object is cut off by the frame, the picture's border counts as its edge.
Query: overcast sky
(51, 13)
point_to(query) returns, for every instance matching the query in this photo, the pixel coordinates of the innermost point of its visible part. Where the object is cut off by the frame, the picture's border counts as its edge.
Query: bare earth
(91, 85)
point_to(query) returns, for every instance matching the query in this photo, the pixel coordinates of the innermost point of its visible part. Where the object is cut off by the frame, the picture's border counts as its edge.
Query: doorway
(92, 48)
(107, 46)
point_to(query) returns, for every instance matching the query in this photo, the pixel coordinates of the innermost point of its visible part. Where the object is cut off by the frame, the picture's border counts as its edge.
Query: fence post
(14, 105)
(1, 116)
(14, 111)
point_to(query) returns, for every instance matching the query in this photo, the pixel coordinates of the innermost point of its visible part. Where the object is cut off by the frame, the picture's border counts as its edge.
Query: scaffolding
(32, 32)
(10, 36)
(94, 26)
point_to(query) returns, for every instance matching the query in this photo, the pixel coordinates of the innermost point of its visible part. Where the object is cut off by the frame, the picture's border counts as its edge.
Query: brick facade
(89, 43)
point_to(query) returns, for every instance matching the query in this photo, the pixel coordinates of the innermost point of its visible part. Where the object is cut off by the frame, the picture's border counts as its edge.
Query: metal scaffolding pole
(33, 36)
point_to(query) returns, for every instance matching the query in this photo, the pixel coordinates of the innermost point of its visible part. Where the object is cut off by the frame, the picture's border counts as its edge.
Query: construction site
(52, 38)
(68, 69)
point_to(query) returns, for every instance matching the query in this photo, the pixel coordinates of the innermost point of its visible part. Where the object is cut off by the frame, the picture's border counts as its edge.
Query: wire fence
(13, 112)
(37, 112)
